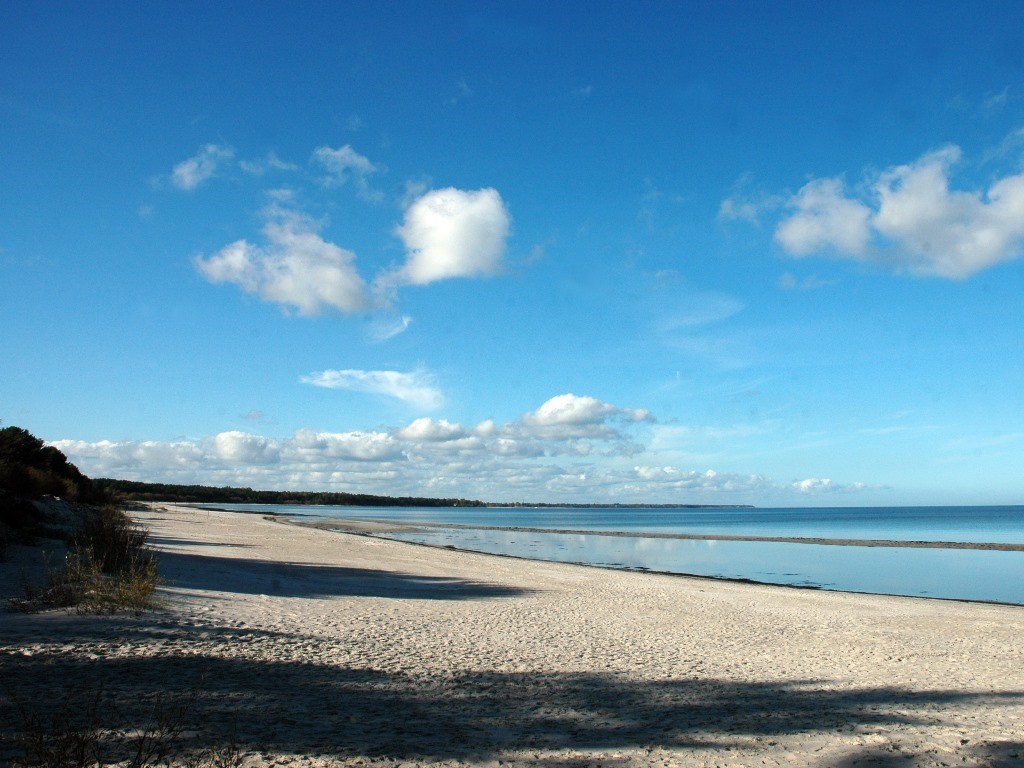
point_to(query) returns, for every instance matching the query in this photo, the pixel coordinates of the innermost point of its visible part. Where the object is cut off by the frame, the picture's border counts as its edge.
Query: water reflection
(984, 524)
(949, 573)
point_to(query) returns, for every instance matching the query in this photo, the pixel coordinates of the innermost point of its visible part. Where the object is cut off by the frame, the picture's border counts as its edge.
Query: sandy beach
(318, 647)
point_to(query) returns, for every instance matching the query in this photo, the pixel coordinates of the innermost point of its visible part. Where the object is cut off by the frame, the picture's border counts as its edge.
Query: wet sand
(316, 647)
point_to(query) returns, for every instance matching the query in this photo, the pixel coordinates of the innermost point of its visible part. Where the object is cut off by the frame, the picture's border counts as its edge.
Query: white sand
(323, 648)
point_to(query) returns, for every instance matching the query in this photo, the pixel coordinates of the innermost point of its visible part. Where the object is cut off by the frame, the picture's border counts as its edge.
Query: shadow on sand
(321, 709)
(269, 577)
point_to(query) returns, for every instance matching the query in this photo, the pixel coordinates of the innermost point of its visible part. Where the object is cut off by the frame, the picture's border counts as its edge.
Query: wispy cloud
(269, 163)
(416, 388)
(789, 282)
(344, 164)
(384, 327)
(190, 173)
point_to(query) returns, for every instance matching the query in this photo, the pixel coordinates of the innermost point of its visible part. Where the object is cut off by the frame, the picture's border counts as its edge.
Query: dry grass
(108, 568)
(77, 733)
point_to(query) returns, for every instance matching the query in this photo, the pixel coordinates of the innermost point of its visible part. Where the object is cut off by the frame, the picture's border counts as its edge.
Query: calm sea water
(948, 573)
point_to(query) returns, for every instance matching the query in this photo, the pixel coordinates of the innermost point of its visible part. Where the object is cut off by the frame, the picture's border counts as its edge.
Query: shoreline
(352, 524)
(322, 649)
(381, 533)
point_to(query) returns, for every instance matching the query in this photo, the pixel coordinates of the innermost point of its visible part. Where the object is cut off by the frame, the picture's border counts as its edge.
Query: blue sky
(721, 252)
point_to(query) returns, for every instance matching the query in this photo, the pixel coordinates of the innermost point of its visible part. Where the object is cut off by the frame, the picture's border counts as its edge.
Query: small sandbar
(382, 527)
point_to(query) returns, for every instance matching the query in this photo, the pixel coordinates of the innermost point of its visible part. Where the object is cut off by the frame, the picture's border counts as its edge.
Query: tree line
(130, 490)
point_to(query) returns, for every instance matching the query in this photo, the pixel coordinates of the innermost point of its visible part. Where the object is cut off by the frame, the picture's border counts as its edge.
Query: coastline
(353, 525)
(372, 529)
(323, 648)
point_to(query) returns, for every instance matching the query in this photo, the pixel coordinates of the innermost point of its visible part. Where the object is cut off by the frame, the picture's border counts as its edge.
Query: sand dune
(316, 647)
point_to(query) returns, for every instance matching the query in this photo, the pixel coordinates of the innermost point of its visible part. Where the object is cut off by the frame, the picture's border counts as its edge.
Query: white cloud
(453, 233)
(572, 417)
(570, 409)
(297, 268)
(142, 455)
(244, 448)
(345, 163)
(190, 173)
(542, 460)
(486, 428)
(923, 227)
(825, 219)
(416, 388)
(356, 446)
(675, 479)
(428, 430)
(238, 263)
(814, 485)
(947, 233)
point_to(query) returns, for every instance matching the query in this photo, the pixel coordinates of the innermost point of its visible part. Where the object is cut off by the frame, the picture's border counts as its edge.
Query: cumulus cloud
(431, 431)
(573, 414)
(571, 424)
(539, 456)
(570, 409)
(190, 173)
(948, 233)
(911, 220)
(355, 446)
(447, 233)
(453, 233)
(296, 268)
(825, 219)
(416, 388)
(135, 455)
(244, 448)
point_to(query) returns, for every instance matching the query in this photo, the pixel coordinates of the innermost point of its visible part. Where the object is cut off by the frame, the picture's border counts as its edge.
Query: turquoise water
(966, 574)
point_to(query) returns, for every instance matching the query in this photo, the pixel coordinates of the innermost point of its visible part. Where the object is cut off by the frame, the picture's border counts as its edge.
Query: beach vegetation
(129, 490)
(106, 566)
(31, 469)
(84, 729)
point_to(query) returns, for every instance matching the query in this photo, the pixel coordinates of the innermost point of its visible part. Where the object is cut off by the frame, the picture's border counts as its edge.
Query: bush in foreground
(108, 568)
(79, 732)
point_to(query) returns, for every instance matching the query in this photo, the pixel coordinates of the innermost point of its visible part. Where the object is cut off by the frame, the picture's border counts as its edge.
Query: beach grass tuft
(79, 732)
(108, 568)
